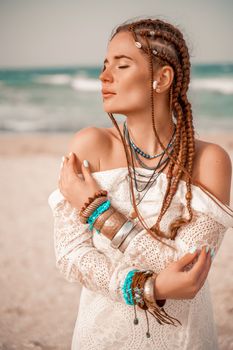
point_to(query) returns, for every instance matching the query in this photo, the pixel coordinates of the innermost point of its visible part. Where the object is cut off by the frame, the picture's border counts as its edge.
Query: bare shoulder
(213, 169)
(89, 143)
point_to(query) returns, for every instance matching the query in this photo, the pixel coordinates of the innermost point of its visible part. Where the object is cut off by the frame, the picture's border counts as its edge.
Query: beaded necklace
(157, 169)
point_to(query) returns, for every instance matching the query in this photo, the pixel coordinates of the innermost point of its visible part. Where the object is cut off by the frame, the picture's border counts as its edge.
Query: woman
(162, 203)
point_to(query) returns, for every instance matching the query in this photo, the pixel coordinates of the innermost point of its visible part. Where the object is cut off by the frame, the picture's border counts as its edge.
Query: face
(128, 78)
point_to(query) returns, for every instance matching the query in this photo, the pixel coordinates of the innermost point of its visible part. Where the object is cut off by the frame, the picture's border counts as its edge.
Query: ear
(165, 78)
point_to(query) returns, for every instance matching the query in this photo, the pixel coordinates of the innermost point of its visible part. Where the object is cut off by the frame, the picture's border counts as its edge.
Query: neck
(142, 134)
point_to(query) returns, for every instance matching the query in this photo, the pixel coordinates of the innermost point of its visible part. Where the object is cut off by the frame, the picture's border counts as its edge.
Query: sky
(40, 33)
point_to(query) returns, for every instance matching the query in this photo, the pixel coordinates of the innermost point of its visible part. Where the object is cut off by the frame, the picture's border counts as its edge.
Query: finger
(63, 174)
(200, 264)
(75, 164)
(186, 259)
(65, 160)
(59, 182)
(59, 175)
(86, 170)
(64, 168)
(206, 269)
(72, 167)
(62, 162)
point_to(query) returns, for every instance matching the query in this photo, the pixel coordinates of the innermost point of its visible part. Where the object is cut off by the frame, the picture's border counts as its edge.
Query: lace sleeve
(202, 230)
(207, 227)
(80, 261)
(76, 256)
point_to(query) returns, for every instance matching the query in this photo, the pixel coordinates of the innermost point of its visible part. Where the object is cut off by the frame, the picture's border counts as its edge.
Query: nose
(105, 75)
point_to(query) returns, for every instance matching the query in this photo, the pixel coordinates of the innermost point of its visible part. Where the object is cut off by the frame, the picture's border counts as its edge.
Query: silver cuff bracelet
(121, 234)
(149, 291)
(133, 233)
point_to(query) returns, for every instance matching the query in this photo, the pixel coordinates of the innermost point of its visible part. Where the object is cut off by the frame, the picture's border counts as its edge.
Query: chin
(113, 110)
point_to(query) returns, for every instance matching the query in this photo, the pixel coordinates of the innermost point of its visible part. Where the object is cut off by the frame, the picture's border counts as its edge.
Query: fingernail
(85, 163)
(206, 249)
(212, 253)
(63, 158)
(192, 250)
(70, 154)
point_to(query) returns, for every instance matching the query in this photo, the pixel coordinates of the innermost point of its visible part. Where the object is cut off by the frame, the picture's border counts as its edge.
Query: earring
(155, 84)
(138, 44)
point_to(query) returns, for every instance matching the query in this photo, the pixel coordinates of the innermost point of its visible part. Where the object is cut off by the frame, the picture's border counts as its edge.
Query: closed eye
(118, 67)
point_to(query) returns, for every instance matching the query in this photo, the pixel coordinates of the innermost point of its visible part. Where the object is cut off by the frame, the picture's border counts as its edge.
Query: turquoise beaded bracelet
(126, 289)
(101, 208)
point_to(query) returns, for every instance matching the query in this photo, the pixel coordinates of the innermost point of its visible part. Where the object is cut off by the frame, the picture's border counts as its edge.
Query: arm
(209, 222)
(77, 258)
(79, 261)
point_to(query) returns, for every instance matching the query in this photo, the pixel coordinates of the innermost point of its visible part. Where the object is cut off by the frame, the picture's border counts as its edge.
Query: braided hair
(164, 44)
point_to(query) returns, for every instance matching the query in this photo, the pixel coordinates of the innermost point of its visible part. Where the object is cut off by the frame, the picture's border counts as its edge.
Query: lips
(107, 92)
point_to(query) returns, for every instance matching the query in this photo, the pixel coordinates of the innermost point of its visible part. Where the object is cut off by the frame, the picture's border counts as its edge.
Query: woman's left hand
(75, 189)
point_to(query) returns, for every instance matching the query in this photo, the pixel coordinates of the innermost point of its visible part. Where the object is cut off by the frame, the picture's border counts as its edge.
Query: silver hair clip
(155, 52)
(138, 44)
(152, 33)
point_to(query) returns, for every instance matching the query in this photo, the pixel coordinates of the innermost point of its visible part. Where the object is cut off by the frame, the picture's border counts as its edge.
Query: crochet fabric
(104, 320)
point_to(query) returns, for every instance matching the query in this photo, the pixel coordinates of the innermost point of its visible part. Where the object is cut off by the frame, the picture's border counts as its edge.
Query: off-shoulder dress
(104, 321)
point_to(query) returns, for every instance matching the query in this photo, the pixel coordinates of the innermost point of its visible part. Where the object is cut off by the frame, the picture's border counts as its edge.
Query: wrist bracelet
(102, 208)
(103, 217)
(113, 224)
(121, 234)
(133, 233)
(97, 194)
(84, 215)
(149, 290)
(150, 294)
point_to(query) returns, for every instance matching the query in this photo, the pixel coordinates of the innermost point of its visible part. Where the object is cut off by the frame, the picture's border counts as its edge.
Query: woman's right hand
(175, 283)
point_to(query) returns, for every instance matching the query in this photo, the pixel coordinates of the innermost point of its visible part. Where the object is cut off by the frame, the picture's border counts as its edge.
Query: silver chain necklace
(156, 169)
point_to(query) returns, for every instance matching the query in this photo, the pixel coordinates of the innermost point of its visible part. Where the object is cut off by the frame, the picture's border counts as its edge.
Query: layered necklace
(157, 169)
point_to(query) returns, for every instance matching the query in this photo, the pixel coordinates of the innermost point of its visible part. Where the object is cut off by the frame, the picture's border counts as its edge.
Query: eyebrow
(118, 57)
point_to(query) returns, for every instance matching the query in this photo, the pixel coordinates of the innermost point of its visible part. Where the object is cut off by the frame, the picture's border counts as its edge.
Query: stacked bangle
(122, 234)
(106, 219)
(138, 289)
(149, 292)
(103, 207)
(126, 289)
(133, 233)
(102, 218)
(92, 204)
(113, 224)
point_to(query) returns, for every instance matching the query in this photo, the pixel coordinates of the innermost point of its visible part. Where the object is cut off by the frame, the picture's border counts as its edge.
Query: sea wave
(23, 125)
(86, 84)
(76, 82)
(55, 79)
(220, 85)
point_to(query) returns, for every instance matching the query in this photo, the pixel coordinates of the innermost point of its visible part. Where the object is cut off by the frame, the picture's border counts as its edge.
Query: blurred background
(51, 56)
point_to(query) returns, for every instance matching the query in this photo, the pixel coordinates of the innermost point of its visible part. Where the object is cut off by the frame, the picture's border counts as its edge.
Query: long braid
(181, 142)
(190, 151)
(171, 188)
(170, 49)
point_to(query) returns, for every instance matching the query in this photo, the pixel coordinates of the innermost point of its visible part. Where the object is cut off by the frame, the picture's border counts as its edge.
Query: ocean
(68, 99)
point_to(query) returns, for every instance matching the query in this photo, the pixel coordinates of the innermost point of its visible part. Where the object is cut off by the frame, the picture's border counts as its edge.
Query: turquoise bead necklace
(136, 151)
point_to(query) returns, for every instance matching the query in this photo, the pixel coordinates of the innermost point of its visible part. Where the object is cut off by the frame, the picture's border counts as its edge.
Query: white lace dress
(104, 320)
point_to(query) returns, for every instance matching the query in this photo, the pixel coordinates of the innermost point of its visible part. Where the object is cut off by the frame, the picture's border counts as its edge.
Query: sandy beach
(38, 306)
